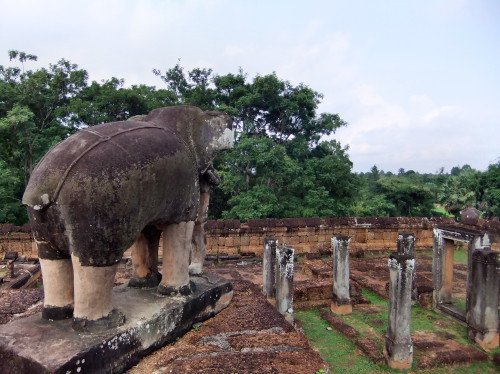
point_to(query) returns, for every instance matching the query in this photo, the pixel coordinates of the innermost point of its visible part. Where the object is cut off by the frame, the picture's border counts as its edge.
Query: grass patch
(334, 347)
(459, 303)
(342, 355)
(461, 256)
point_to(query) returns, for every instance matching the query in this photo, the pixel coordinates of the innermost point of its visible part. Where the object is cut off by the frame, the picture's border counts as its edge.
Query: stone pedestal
(284, 282)
(35, 345)
(341, 300)
(482, 315)
(398, 344)
(269, 268)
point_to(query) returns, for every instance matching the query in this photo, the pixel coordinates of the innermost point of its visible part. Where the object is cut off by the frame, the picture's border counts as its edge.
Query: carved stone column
(482, 313)
(284, 282)
(442, 268)
(268, 268)
(398, 344)
(341, 300)
(406, 246)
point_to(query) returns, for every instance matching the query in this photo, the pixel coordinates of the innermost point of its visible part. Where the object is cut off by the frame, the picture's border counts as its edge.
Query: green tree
(409, 197)
(460, 190)
(280, 167)
(110, 101)
(489, 191)
(10, 205)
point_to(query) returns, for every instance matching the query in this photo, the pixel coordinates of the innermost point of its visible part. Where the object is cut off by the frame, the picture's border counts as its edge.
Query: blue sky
(417, 81)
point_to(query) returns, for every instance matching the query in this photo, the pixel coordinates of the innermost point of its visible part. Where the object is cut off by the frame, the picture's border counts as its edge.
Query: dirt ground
(247, 337)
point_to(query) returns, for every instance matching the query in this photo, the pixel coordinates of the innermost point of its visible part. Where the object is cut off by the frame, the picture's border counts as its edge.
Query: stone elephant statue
(112, 186)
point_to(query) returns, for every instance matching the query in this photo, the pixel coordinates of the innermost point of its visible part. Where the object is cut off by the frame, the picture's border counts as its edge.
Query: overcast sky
(417, 81)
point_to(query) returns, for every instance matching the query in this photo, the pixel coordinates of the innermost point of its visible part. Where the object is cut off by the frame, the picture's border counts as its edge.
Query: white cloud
(446, 110)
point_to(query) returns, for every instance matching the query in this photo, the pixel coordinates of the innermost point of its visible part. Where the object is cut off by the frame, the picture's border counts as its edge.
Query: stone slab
(34, 345)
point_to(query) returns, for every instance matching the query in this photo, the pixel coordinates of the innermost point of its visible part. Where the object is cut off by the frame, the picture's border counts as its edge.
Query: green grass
(460, 256)
(340, 352)
(334, 347)
(459, 303)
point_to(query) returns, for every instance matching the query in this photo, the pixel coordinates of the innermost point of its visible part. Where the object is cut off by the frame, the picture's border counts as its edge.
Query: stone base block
(272, 301)
(35, 345)
(398, 356)
(486, 341)
(340, 309)
(399, 365)
(289, 318)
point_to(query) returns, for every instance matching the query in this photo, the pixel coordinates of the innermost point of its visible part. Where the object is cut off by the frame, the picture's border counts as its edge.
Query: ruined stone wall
(17, 239)
(308, 235)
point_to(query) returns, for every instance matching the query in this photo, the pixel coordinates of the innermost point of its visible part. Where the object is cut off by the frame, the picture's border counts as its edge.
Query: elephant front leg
(93, 287)
(57, 288)
(198, 248)
(176, 248)
(145, 259)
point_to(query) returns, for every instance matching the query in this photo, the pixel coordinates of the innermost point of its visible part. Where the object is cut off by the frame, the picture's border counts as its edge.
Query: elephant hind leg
(57, 288)
(93, 288)
(145, 259)
(176, 248)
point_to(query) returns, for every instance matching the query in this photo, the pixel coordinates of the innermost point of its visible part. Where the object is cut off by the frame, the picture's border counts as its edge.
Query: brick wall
(17, 239)
(314, 234)
(304, 234)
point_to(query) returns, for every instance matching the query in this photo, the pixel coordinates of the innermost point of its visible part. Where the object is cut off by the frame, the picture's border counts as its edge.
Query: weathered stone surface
(32, 344)
(284, 281)
(398, 343)
(482, 314)
(341, 301)
(268, 267)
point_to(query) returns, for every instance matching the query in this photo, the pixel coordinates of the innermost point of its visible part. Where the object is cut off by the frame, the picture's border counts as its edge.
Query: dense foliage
(281, 165)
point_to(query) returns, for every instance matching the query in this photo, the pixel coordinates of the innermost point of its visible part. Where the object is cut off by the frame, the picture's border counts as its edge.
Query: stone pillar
(341, 300)
(406, 246)
(10, 267)
(482, 313)
(437, 265)
(268, 267)
(447, 283)
(398, 344)
(284, 282)
(442, 268)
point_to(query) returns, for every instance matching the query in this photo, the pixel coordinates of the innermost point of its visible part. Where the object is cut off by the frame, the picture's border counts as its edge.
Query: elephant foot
(114, 319)
(57, 312)
(195, 269)
(176, 291)
(151, 281)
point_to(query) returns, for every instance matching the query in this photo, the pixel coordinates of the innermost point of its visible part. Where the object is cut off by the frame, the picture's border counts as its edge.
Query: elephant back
(118, 144)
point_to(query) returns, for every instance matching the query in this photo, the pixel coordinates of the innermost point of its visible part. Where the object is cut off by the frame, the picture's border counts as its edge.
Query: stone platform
(34, 345)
